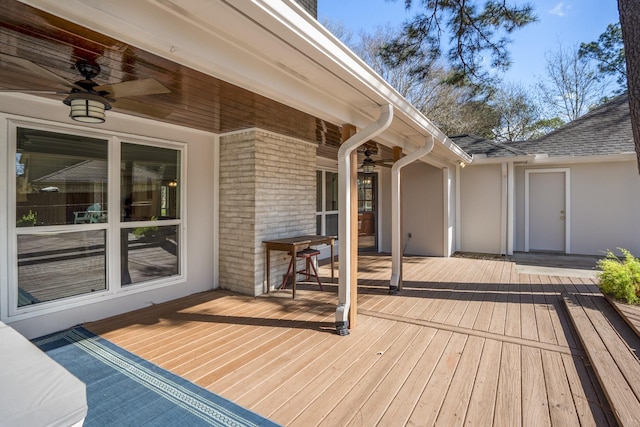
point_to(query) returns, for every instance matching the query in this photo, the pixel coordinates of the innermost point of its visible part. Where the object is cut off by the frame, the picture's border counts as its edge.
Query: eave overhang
(273, 48)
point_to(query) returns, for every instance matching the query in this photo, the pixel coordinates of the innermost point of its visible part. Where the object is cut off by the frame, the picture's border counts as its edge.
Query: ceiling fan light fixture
(87, 107)
(368, 165)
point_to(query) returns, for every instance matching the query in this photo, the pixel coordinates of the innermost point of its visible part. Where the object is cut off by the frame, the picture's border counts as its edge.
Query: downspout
(344, 212)
(396, 239)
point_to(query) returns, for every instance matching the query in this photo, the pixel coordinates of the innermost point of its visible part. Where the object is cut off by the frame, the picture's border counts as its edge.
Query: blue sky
(569, 22)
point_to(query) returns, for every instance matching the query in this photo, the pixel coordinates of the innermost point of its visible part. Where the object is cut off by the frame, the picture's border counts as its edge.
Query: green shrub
(620, 278)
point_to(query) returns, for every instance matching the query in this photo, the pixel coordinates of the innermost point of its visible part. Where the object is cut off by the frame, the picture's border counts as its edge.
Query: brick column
(267, 191)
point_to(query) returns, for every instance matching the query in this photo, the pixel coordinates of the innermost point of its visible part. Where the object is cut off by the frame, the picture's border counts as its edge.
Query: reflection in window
(149, 183)
(332, 225)
(327, 198)
(366, 193)
(150, 253)
(319, 191)
(60, 265)
(62, 182)
(60, 179)
(331, 191)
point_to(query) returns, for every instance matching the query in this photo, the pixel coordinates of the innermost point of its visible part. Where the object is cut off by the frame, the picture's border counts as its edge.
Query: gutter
(395, 283)
(344, 213)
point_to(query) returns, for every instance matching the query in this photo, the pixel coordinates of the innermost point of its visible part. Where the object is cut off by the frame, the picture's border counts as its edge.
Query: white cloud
(560, 9)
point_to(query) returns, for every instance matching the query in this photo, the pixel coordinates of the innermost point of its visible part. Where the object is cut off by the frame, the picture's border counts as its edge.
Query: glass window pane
(332, 225)
(149, 253)
(318, 191)
(149, 183)
(60, 179)
(319, 225)
(60, 265)
(331, 191)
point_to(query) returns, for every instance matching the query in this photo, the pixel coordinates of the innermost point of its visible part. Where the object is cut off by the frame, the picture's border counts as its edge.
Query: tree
(474, 33)
(572, 85)
(520, 116)
(454, 109)
(630, 23)
(608, 52)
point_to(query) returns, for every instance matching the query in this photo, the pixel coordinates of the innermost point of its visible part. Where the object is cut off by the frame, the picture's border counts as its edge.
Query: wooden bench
(616, 366)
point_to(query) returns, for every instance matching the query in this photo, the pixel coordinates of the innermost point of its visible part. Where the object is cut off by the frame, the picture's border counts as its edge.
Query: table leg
(294, 252)
(267, 268)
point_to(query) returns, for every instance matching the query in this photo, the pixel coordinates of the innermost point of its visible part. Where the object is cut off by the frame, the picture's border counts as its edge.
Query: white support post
(511, 201)
(344, 213)
(395, 283)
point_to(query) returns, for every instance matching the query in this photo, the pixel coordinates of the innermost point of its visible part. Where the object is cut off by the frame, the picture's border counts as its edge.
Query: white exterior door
(547, 210)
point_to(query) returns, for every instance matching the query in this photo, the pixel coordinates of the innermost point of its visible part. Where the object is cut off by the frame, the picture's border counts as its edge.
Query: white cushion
(34, 389)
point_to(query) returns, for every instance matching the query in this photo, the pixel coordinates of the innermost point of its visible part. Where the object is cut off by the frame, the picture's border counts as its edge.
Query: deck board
(535, 403)
(610, 373)
(482, 401)
(466, 341)
(508, 410)
(454, 408)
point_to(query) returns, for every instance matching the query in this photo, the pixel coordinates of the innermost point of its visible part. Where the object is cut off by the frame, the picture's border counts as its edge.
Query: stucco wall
(422, 210)
(605, 201)
(267, 191)
(480, 209)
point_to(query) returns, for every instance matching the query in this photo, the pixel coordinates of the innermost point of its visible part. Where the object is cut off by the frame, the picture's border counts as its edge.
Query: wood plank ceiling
(196, 100)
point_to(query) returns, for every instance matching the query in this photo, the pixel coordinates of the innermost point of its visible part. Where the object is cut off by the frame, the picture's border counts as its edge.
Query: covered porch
(467, 341)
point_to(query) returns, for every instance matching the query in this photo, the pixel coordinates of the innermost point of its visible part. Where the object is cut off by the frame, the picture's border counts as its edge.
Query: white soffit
(264, 46)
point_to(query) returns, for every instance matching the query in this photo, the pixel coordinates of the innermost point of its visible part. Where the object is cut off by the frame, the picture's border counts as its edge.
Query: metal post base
(342, 328)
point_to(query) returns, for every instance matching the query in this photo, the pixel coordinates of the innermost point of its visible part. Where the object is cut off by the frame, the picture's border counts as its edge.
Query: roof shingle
(604, 131)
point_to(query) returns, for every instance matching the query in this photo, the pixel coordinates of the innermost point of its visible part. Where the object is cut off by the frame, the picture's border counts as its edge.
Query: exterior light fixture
(87, 107)
(461, 164)
(368, 165)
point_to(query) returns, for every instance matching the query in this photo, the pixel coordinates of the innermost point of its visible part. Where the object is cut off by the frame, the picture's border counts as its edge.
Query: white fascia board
(585, 159)
(483, 160)
(544, 159)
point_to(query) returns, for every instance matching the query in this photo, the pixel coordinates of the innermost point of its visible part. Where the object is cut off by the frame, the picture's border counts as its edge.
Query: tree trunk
(630, 22)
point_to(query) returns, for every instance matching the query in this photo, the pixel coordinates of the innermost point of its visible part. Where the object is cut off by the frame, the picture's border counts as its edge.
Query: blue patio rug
(126, 390)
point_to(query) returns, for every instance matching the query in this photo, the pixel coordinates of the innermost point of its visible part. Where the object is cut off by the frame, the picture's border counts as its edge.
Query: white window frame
(323, 213)
(9, 288)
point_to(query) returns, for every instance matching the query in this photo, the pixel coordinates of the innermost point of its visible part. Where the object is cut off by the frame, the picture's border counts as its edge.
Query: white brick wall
(267, 191)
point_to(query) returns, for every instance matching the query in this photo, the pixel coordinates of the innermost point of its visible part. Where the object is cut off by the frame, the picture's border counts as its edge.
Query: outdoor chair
(93, 214)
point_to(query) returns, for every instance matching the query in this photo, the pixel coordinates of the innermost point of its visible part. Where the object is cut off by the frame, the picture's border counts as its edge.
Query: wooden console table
(293, 245)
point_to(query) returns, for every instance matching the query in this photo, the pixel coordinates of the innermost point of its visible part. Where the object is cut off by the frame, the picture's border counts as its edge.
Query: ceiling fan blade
(387, 163)
(36, 69)
(142, 108)
(43, 91)
(133, 88)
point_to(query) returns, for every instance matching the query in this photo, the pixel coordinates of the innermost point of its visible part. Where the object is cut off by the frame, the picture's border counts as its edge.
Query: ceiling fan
(368, 164)
(87, 99)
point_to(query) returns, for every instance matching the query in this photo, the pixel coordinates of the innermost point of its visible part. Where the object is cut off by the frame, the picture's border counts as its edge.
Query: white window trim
(8, 230)
(323, 213)
(325, 251)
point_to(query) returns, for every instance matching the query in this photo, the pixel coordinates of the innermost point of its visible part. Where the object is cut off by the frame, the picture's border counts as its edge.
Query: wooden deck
(467, 341)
